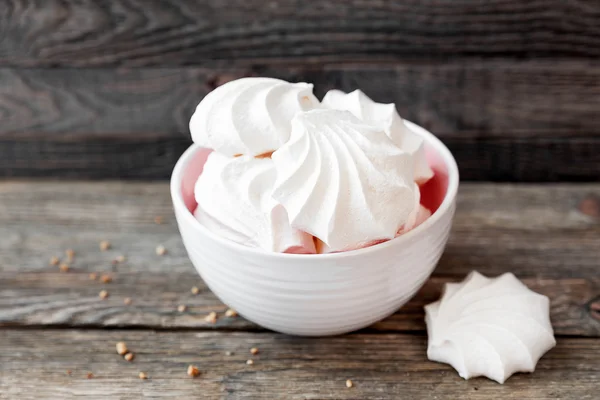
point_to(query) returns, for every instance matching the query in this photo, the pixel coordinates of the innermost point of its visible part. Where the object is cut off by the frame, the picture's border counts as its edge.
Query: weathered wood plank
(527, 159)
(501, 99)
(52, 298)
(134, 156)
(152, 157)
(503, 120)
(33, 364)
(173, 32)
(532, 230)
(547, 234)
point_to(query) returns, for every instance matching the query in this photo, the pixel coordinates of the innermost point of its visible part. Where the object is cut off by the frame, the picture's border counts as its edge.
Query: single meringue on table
(490, 327)
(234, 201)
(249, 116)
(385, 116)
(343, 180)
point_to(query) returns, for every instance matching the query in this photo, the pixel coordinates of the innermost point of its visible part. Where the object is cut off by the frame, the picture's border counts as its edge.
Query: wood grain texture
(134, 156)
(57, 299)
(559, 159)
(387, 366)
(476, 100)
(533, 230)
(152, 157)
(527, 120)
(173, 32)
(545, 234)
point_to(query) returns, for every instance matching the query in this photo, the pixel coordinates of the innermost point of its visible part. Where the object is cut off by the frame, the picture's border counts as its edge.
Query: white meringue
(234, 201)
(417, 217)
(249, 116)
(385, 116)
(490, 327)
(422, 216)
(411, 222)
(342, 180)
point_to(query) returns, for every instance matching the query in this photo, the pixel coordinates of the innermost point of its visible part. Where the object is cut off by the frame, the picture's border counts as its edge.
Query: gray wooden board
(504, 120)
(454, 99)
(183, 32)
(546, 234)
(71, 299)
(34, 364)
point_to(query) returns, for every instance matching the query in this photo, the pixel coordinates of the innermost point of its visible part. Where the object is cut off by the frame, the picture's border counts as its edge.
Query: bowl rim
(431, 139)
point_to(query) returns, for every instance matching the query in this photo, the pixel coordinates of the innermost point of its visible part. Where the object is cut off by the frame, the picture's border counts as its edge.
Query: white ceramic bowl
(323, 294)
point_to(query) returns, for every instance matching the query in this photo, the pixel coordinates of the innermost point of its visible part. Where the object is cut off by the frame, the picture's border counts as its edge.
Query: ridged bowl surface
(316, 295)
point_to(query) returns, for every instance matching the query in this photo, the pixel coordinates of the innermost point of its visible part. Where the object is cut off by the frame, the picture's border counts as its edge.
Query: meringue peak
(343, 180)
(249, 116)
(385, 116)
(361, 105)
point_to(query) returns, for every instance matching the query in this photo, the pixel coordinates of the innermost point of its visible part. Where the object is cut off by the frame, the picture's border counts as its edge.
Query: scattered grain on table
(193, 371)
(212, 317)
(230, 313)
(121, 348)
(160, 250)
(119, 260)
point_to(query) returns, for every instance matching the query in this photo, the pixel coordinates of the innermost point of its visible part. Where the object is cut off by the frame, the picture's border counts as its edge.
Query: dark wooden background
(104, 89)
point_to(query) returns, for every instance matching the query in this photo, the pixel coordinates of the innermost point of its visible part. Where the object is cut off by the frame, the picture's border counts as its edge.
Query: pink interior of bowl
(432, 192)
(190, 175)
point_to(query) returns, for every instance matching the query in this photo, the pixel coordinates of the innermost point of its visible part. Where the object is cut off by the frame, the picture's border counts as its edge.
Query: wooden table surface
(105, 90)
(52, 322)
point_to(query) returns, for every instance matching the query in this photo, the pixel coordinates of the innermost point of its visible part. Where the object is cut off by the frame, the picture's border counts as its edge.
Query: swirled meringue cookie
(249, 116)
(416, 217)
(489, 327)
(234, 201)
(343, 180)
(385, 116)
(418, 214)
